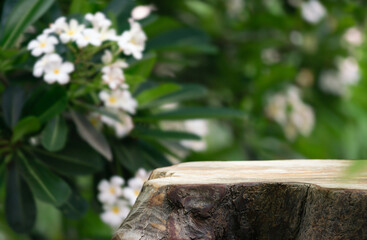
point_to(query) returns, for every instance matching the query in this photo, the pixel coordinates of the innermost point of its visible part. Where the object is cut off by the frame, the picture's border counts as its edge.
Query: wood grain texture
(289, 199)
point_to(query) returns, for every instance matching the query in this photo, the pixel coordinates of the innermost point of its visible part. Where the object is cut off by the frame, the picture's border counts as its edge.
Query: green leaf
(7, 7)
(45, 185)
(147, 96)
(187, 92)
(80, 6)
(20, 208)
(143, 67)
(182, 39)
(100, 110)
(12, 104)
(121, 10)
(23, 14)
(91, 135)
(46, 103)
(77, 158)
(194, 113)
(25, 126)
(134, 81)
(75, 207)
(159, 134)
(136, 154)
(54, 135)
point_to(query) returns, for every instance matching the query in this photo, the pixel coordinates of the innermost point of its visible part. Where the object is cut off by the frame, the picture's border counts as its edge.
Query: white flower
(43, 44)
(337, 81)
(200, 128)
(353, 36)
(114, 77)
(122, 126)
(110, 191)
(143, 11)
(88, 36)
(289, 111)
(107, 34)
(313, 11)
(114, 214)
(40, 65)
(132, 42)
(58, 72)
(121, 99)
(131, 192)
(71, 31)
(57, 26)
(98, 20)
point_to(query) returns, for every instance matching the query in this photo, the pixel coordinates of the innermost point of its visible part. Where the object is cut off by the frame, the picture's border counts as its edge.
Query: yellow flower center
(43, 44)
(133, 41)
(115, 210)
(136, 192)
(71, 32)
(112, 190)
(112, 100)
(56, 71)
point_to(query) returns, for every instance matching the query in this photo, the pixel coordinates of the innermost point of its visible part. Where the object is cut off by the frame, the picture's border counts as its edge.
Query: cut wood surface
(288, 199)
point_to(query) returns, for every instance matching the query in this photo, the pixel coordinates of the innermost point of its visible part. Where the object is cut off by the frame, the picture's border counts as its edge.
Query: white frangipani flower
(88, 36)
(115, 213)
(289, 111)
(98, 20)
(313, 11)
(71, 31)
(141, 12)
(132, 42)
(40, 65)
(58, 72)
(122, 126)
(110, 191)
(121, 99)
(114, 78)
(42, 44)
(354, 36)
(107, 34)
(131, 192)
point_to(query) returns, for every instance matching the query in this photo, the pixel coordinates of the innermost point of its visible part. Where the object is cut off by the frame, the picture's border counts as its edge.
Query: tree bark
(290, 199)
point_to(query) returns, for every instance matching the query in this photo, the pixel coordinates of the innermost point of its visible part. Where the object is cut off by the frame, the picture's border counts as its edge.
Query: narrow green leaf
(20, 208)
(23, 14)
(77, 158)
(25, 126)
(75, 207)
(46, 103)
(194, 113)
(91, 135)
(159, 134)
(12, 105)
(147, 96)
(80, 6)
(121, 11)
(187, 92)
(134, 81)
(7, 7)
(45, 185)
(142, 67)
(100, 110)
(54, 135)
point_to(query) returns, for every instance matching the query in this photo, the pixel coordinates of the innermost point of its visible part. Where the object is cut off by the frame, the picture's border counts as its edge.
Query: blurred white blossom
(110, 191)
(58, 72)
(98, 20)
(270, 56)
(200, 128)
(40, 65)
(132, 42)
(290, 112)
(119, 98)
(353, 36)
(135, 184)
(337, 81)
(122, 126)
(313, 11)
(88, 36)
(42, 44)
(142, 11)
(71, 31)
(115, 213)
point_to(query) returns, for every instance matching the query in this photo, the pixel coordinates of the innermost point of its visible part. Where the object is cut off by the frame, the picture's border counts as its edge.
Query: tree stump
(290, 199)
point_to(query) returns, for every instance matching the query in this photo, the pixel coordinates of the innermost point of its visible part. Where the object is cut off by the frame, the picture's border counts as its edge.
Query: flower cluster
(83, 42)
(290, 112)
(313, 11)
(118, 199)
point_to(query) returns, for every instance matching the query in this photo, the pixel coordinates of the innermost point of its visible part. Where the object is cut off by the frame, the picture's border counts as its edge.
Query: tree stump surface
(288, 199)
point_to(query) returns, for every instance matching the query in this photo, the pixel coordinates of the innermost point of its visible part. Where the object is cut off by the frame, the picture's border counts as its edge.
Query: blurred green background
(296, 68)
